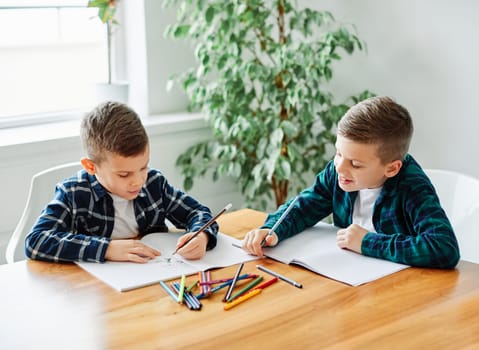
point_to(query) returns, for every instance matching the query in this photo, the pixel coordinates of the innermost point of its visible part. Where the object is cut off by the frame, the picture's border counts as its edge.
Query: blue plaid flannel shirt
(411, 226)
(77, 224)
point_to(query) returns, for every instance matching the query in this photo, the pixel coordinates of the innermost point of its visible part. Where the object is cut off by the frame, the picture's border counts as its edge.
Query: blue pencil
(169, 291)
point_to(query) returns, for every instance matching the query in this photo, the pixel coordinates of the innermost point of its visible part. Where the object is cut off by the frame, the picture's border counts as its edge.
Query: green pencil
(245, 289)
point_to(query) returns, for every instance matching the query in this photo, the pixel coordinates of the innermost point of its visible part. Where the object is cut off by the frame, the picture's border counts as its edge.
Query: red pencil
(267, 283)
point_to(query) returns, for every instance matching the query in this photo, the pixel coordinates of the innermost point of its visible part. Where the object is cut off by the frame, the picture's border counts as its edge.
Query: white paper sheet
(125, 276)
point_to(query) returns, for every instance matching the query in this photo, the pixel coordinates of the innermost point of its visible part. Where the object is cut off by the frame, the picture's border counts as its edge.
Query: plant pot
(111, 92)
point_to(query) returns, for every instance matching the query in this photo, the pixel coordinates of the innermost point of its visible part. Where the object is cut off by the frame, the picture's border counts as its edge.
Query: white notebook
(124, 276)
(316, 250)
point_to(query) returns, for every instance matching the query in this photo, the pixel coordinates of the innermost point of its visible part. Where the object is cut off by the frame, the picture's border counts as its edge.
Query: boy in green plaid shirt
(380, 198)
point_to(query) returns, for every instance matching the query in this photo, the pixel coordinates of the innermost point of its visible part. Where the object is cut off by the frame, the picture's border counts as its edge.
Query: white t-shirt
(363, 208)
(125, 225)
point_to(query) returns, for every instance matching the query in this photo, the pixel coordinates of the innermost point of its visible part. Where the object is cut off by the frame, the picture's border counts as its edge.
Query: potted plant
(117, 91)
(260, 80)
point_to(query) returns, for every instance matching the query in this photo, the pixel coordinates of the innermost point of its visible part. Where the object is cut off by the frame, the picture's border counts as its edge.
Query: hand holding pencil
(197, 250)
(252, 242)
(194, 248)
(255, 240)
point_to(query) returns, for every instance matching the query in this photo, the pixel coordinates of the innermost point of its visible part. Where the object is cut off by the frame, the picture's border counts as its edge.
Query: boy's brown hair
(115, 128)
(381, 121)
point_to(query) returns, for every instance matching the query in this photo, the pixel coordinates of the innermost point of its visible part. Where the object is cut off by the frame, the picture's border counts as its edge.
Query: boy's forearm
(65, 247)
(424, 250)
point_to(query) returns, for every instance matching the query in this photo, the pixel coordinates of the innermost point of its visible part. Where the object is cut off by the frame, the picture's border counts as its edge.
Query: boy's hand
(252, 241)
(130, 250)
(196, 248)
(351, 237)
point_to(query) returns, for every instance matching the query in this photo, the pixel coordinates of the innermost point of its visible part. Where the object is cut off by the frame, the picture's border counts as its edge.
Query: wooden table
(63, 307)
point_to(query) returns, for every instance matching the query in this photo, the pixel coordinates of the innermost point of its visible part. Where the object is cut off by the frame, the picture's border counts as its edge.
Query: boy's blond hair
(381, 121)
(112, 127)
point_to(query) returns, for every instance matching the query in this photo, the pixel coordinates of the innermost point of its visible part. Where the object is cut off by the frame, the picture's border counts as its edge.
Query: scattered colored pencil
(267, 283)
(281, 277)
(191, 302)
(191, 286)
(242, 298)
(169, 291)
(181, 292)
(232, 285)
(246, 288)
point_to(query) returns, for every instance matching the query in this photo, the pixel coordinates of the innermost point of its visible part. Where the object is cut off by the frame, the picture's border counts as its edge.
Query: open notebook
(125, 276)
(316, 250)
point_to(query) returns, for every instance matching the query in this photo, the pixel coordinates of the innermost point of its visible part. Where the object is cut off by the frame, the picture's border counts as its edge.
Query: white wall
(424, 54)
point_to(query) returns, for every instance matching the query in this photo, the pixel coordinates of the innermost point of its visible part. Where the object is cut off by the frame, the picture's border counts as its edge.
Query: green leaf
(209, 14)
(289, 129)
(276, 136)
(181, 31)
(285, 169)
(188, 183)
(235, 169)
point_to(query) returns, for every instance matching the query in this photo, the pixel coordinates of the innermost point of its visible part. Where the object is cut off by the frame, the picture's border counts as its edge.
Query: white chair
(41, 192)
(459, 196)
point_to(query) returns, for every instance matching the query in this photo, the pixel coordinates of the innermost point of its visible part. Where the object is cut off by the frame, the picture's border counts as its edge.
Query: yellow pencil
(242, 298)
(182, 289)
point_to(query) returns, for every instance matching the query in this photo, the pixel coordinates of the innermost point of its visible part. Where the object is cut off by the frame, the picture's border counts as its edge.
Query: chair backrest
(41, 192)
(459, 196)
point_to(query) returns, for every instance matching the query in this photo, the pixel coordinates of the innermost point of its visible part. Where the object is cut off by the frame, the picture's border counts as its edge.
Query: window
(51, 54)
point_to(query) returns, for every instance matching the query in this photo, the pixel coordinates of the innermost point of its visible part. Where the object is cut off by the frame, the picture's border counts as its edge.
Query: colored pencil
(242, 298)
(245, 289)
(189, 299)
(267, 283)
(201, 279)
(169, 291)
(208, 278)
(181, 292)
(232, 285)
(191, 286)
(195, 300)
(275, 274)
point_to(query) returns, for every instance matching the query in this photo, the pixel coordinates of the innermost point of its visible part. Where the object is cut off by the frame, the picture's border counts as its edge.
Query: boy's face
(359, 167)
(121, 176)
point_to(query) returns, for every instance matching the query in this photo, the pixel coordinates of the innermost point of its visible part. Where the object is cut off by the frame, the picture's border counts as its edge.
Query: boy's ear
(88, 165)
(393, 168)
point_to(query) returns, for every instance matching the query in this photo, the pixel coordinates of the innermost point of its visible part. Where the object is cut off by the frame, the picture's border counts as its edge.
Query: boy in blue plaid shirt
(96, 213)
(380, 198)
